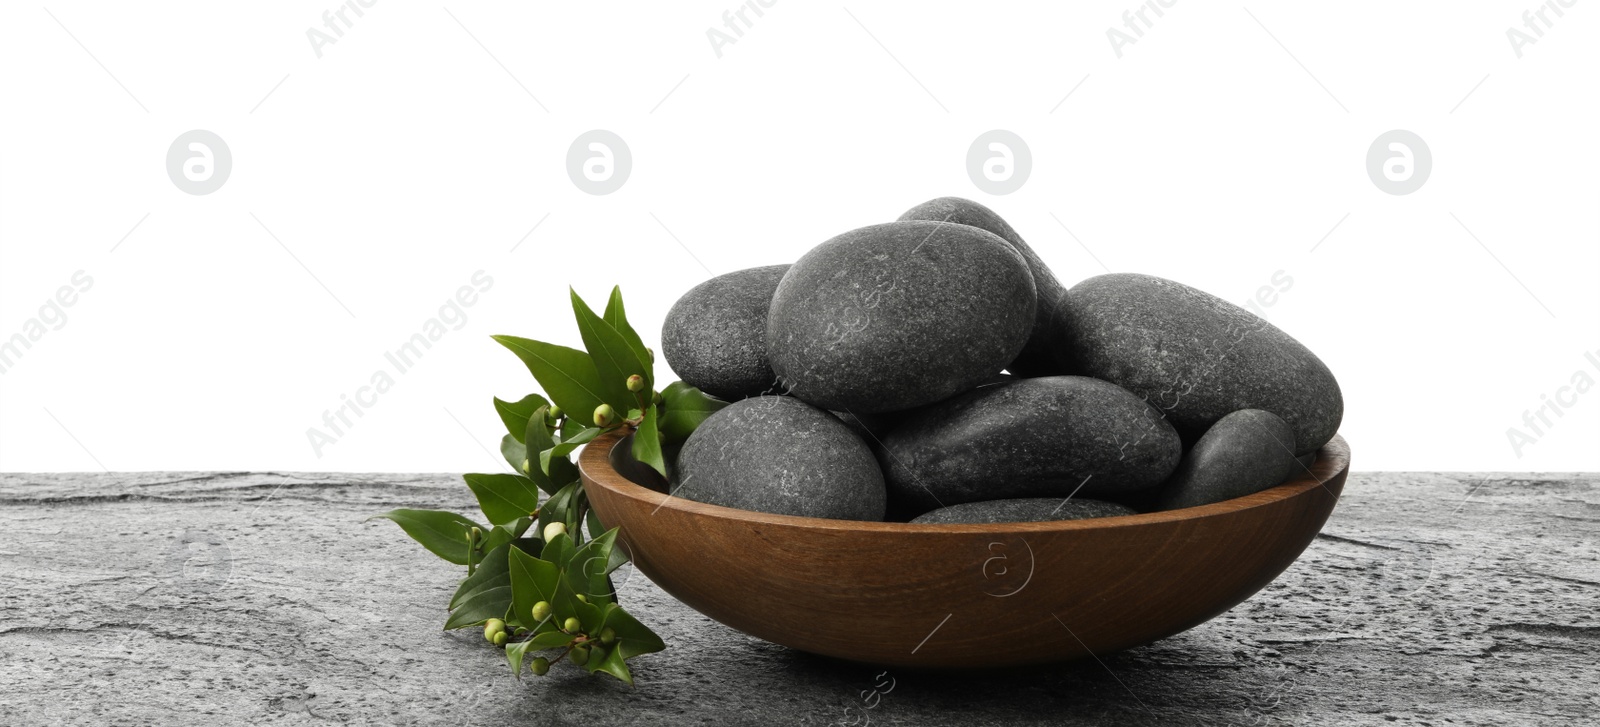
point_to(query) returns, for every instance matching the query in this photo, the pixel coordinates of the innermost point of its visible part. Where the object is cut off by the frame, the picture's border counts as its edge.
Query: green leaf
(537, 433)
(613, 357)
(614, 664)
(566, 374)
(532, 580)
(560, 451)
(558, 551)
(618, 318)
(567, 604)
(556, 508)
(618, 557)
(574, 513)
(684, 407)
(539, 439)
(503, 534)
(516, 415)
(504, 498)
(516, 652)
(531, 546)
(593, 520)
(588, 566)
(514, 451)
(485, 594)
(563, 472)
(549, 640)
(647, 443)
(571, 426)
(633, 638)
(495, 571)
(443, 533)
(479, 607)
(498, 535)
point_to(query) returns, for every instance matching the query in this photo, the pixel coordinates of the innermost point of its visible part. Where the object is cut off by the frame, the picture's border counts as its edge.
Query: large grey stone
(865, 426)
(1039, 356)
(1051, 436)
(781, 455)
(715, 336)
(873, 427)
(894, 316)
(1243, 453)
(1197, 357)
(1024, 510)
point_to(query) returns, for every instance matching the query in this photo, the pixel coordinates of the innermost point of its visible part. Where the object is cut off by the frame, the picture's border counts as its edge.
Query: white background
(419, 149)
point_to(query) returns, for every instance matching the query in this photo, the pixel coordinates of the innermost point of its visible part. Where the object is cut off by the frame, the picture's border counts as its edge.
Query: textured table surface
(173, 598)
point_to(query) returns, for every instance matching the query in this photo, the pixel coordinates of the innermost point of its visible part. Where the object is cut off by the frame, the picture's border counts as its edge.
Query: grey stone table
(161, 598)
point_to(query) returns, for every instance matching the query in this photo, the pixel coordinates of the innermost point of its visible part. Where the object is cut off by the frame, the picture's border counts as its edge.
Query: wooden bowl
(969, 595)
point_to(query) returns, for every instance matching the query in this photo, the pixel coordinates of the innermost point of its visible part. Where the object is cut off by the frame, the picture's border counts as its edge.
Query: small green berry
(527, 468)
(571, 625)
(635, 383)
(500, 638)
(655, 398)
(540, 666)
(554, 529)
(492, 627)
(555, 412)
(603, 415)
(579, 655)
(608, 636)
(541, 611)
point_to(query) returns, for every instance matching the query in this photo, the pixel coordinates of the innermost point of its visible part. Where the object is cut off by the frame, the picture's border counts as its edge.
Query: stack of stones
(933, 369)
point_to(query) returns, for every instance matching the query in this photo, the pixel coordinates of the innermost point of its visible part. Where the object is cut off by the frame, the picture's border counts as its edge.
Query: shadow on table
(1140, 685)
(728, 678)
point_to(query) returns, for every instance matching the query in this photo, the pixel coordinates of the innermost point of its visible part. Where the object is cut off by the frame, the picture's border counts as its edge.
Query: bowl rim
(594, 467)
